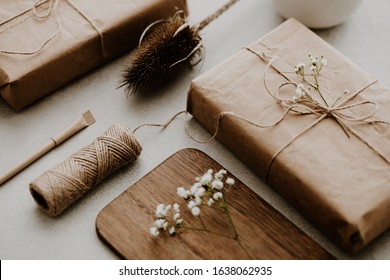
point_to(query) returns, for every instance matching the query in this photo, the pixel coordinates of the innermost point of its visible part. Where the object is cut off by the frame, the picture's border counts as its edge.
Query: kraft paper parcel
(340, 183)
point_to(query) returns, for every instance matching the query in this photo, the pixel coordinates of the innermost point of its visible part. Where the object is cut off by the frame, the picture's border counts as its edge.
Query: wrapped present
(322, 142)
(45, 45)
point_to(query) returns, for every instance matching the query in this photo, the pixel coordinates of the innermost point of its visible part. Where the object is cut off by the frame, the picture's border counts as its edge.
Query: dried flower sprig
(304, 94)
(316, 65)
(207, 191)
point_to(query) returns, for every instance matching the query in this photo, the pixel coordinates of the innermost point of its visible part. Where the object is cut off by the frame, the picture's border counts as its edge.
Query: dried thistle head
(165, 49)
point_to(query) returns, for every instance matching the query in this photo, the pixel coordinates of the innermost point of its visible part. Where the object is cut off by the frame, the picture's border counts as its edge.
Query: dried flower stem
(316, 65)
(207, 191)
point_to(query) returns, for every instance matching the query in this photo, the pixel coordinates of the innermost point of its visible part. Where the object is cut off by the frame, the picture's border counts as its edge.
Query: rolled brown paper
(61, 186)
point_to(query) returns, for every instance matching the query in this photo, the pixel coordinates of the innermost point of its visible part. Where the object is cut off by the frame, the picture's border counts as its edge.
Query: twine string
(337, 112)
(59, 187)
(44, 15)
(305, 107)
(52, 9)
(216, 14)
(102, 46)
(163, 125)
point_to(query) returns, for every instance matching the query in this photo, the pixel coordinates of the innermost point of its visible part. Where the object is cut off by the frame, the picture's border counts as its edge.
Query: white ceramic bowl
(317, 13)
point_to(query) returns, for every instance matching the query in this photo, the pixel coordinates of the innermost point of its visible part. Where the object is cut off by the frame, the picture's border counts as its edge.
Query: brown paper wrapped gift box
(91, 33)
(340, 183)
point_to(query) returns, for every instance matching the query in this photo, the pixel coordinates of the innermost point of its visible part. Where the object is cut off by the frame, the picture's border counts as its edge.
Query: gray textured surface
(27, 233)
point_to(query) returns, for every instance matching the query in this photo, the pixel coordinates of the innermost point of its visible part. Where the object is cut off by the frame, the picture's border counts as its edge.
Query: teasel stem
(216, 14)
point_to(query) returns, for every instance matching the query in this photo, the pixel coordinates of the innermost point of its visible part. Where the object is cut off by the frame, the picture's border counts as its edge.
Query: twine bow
(338, 110)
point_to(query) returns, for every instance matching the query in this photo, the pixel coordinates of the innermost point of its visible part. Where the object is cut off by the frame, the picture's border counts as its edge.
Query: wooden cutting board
(263, 232)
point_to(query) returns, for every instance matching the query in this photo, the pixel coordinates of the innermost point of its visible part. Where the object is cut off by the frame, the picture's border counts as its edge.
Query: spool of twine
(59, 187)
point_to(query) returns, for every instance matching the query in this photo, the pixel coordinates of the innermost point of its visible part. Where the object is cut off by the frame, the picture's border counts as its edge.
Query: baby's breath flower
(195, 211)
(219, 174)
(206, 179)
(160, 210)
(172, 231)
(160, 223)
(300, 69)
(154, 231)
(313, 59)
(210, 202)
(181, 192)
(324, 61)
(198, 200)
(176, 216)
(191, 204)
(194, 188)
(206, 190)
(217, 184)
(217, 196)
(230, 181)
(200, 192)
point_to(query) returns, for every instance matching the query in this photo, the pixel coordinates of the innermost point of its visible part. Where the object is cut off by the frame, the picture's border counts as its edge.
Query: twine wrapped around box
(34, 43)
(338, 183)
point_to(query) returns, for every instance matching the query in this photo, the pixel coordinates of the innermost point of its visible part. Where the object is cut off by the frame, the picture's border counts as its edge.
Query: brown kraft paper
(341, 184)
(89, 34)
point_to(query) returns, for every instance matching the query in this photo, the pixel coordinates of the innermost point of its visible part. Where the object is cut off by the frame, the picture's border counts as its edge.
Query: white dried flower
(176, 216)
(217, 184)
(191, 204)
(176, 207)
(179, 221)
(172, 231)
(195, 211)
(300, 69)
(160, 210)
(181, 192)
(206, 179)
(198, 200)
(324, 61)
(217, 196)
(154, 231)
(200, 192)
(210, 202)
(194, 188)
(230, 181)
(160, 223)
(219, 174)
